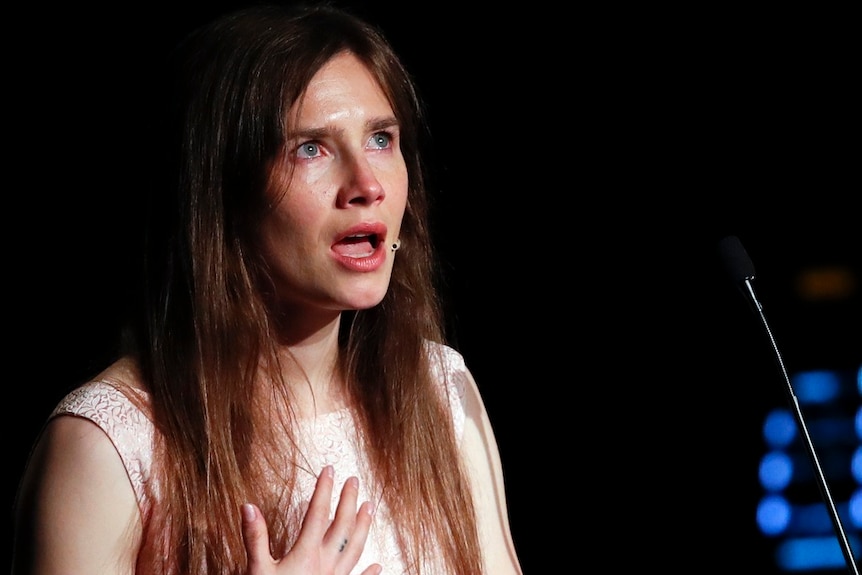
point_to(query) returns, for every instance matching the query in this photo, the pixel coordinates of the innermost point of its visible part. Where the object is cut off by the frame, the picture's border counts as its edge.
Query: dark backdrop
(588, 162)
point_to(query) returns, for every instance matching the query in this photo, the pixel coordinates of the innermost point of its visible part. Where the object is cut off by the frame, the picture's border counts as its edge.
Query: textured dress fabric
(327, 439)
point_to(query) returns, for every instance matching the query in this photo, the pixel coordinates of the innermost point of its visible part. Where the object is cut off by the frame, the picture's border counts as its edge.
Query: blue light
(803, 531)
(776, 471)
(779, 428)
(819, 386)
(810, 553)
(856, 464)
(773, 514)
(854, 509)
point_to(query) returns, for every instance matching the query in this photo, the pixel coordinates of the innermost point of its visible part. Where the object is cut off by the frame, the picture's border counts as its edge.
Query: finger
(375, 569)
(349, 529)
(338, 536)
(256, 538)
(345, 512)
(317, 516)
(362, 526)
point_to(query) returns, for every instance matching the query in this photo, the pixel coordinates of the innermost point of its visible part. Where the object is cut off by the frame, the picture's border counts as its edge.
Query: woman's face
(338, 193)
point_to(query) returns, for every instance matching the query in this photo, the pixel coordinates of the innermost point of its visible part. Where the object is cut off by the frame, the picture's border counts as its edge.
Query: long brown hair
(205, 333)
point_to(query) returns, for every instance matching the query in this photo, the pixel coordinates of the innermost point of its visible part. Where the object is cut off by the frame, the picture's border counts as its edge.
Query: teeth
(371, 238)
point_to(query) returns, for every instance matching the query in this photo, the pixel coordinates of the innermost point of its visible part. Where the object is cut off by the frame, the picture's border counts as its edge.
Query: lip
(367, 263)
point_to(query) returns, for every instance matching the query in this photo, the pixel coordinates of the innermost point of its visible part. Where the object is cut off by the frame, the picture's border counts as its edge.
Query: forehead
(343, 88)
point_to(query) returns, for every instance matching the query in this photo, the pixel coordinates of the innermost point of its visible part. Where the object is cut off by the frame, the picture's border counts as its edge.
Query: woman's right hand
(323, 547)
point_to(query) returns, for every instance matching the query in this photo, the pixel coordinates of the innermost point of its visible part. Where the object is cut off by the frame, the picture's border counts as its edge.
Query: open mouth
(357, 245)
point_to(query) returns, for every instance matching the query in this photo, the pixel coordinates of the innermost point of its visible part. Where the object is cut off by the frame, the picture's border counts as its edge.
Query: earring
(396, 245)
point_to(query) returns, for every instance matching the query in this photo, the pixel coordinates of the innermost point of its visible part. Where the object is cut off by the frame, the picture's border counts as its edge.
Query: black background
(588, 162)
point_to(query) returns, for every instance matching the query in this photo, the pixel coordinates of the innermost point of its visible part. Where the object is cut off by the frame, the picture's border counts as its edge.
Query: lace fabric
(328, 439)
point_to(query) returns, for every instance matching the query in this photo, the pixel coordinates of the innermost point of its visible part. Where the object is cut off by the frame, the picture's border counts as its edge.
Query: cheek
(297, 204)
(281, 229)
(396, 188)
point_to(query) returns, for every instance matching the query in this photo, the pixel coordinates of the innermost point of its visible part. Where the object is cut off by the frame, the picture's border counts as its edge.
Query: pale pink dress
(328, 439)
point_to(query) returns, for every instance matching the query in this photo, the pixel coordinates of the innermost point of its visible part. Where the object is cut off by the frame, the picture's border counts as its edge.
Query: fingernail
(329, 471)
(248, 513)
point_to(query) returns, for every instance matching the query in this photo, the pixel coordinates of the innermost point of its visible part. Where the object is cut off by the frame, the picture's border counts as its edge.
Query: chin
(364, 300)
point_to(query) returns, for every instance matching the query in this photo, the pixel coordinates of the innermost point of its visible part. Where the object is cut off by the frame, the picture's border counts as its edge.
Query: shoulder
(454, 380)
(117, 404)
(115, 393)
(447, 363)
(75, 493)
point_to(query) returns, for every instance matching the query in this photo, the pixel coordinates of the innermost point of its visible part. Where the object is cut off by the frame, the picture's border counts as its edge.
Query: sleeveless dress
(327, 439)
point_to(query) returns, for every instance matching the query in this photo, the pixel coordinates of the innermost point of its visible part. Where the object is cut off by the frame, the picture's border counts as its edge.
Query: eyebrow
(373, 125)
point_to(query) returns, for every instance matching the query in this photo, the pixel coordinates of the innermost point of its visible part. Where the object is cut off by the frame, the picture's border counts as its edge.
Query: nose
(361, 185)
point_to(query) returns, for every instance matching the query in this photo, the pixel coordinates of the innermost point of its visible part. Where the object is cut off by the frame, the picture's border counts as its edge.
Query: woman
(286, 403)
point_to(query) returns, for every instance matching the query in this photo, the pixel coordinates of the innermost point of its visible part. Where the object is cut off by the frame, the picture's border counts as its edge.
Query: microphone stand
(809, 446)
(741, 269)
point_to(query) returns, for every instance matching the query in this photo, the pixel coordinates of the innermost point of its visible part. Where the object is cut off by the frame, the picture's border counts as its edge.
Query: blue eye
(308, 150)
(381, 140)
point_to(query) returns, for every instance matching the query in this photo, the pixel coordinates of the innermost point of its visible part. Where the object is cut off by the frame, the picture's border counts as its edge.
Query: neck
(309, 354)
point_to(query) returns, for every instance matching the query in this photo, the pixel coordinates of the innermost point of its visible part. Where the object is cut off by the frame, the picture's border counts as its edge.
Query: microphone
(741, 270)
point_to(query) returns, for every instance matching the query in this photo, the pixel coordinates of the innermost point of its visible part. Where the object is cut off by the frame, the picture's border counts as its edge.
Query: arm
(482, 457)
(76, 510)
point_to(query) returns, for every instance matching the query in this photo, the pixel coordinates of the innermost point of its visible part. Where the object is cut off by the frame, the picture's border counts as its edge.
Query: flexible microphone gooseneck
(741, 270)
